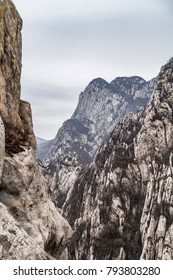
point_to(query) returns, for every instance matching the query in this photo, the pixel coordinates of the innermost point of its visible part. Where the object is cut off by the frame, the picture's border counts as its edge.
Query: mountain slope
(100, 107)
(121, 204)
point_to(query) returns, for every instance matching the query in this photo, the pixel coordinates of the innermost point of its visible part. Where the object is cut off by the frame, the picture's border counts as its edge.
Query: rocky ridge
(121, 205)
(28, 217)
(101, 105)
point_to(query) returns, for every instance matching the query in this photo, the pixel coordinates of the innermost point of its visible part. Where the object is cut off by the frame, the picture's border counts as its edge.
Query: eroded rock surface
(26, 200)
(15, 243)
(101, 105)
(125, 196)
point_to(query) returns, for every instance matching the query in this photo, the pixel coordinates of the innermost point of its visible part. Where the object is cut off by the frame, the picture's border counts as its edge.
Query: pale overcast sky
(67, 43)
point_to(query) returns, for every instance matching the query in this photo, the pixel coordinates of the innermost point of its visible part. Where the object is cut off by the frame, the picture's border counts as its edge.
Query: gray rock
(100, 107)
(15, 243)
(121, 204)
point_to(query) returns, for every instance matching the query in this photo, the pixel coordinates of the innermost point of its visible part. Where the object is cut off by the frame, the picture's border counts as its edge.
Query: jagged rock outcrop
(121, 206)
(107, 195)
(26, 203)
(100, 107)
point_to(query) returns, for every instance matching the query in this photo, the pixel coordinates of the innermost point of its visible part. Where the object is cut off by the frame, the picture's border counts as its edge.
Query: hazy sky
(67, 43)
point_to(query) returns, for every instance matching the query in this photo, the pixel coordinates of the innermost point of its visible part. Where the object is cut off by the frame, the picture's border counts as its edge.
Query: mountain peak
(128, 81)
(99, 82)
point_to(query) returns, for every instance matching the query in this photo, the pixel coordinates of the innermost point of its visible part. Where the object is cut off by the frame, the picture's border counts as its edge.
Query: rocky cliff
(121, 205)
(28, 217)
(101, 105)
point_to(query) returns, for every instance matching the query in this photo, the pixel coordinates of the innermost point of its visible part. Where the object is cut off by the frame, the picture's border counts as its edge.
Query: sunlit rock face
(125, 195)
(26, 203)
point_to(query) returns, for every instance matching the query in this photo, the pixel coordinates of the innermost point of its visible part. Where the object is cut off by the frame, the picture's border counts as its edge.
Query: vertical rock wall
(153, 149)
(26, 204)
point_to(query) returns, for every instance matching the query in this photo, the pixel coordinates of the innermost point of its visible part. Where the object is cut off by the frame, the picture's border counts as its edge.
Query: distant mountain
(43, 147)
(40, 140)
(101, 105)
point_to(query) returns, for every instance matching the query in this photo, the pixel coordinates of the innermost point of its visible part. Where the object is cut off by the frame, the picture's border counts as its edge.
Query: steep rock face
(25, 193)
(2, 145)
(100, 107)
(15, 243)
(23, 189)
(10, 70)
(156, 137)
(107, 194)
(125, 196)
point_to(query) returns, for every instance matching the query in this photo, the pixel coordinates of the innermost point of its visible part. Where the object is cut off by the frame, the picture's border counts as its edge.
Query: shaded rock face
(121, 205)
(26, 206)
(100, 107)
(107, 196)
(157, 216)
